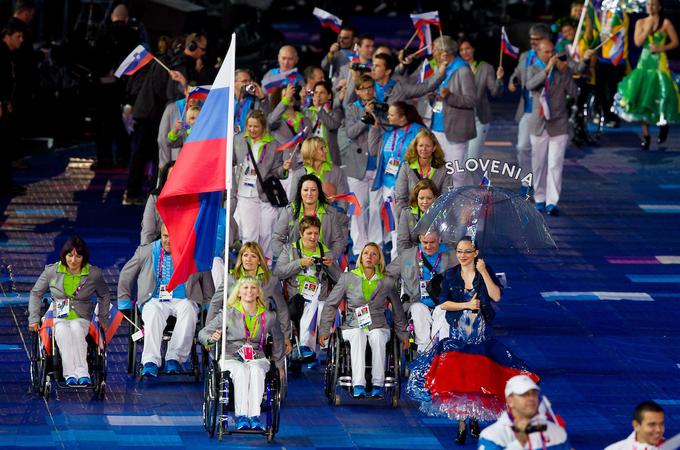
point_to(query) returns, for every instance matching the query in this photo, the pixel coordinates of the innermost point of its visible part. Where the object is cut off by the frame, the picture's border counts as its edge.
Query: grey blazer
(282, 132)
(407, 179)
(92, 284)
(168, 151)
(271, 165)
(459, 113)
(151, 221)
(339, 59)
(406, 237)
(561, 86)
(406, 267)
(336, 177)
(288, 267)
(199, 286)
(332, 120)
(485, 81)
(335, 226)
(402, 89)
(349, 287)
(236, 335)
(353, 142)
(520, 76)
(271, 290)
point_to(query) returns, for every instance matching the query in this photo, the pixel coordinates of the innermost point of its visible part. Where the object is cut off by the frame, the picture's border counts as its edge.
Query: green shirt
(304, 276)
(415, 165)
(368, 286)
(265, 139)
(325, 168)
(252, 320)
(71, 283)
(320, 211)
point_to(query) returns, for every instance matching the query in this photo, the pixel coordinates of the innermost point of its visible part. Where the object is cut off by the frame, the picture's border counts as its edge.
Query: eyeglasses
(465, 252)
(366, 88)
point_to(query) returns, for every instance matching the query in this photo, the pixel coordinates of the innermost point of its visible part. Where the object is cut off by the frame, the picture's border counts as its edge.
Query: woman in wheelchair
(248, 322)
(306, 268)
(366, 290)
(252, 263)
(72, 282)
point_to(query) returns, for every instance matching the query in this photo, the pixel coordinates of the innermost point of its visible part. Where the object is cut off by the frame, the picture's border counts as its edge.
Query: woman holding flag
(311, 201)
(325, 120)
(72, 283)
(314, 154)
(286, 120)
(256, 150)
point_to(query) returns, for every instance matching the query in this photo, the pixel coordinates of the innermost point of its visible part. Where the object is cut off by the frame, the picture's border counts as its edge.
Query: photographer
(312, 75)
(365, 50)
(522, 426)
(339, 53)
(307, 267)
(325, 119)
(249, 96)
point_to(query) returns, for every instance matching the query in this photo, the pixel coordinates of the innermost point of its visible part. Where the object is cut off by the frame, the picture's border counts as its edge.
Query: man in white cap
(522, 426)
(648, 429)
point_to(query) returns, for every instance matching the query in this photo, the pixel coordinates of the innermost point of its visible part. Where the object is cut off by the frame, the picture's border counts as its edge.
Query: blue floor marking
(638, 278)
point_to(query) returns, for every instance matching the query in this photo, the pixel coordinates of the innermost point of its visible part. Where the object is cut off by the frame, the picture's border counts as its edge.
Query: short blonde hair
(235, 297)
(309, 147)
(253, 247)
(438, 158)
(380, 267)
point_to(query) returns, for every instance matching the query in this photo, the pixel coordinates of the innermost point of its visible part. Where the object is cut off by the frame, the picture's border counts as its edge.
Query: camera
(536, 428)
(250, 89)
(360, 67)
(562, 57)
(379, 109)
(318, 263)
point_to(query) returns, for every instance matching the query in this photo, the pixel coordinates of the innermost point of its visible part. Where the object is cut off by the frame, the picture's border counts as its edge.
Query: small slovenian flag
(297, 139)
(486, 182)
(199, 93)
(272, 81)
(507, 47)
(46, 331)
(354, 208)
(327, 19)
(387, 216)
(114, 320)
(354, 54)
(422, 23)
(138, 58)
(426, 71)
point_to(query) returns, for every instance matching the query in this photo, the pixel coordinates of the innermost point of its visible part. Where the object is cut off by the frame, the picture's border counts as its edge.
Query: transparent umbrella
(495, 217)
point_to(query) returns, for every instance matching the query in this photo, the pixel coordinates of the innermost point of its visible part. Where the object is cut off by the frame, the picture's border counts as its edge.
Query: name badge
(423, 289)
(62, 307)
(393, 165)
(138, 335)
(310, 290)
(363, 315)
(247, 352)
(438, 106)
(250, 178)
(163, 294)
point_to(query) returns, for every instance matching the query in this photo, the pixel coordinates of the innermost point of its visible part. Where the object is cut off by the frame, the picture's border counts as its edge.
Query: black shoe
(663, 134)
(645, 142)
(474, 428)
(460, 437)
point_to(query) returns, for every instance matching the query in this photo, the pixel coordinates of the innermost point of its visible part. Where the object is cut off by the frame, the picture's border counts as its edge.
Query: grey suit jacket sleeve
(355, 127)
(412, 90)
(282, 313)
(462, 92)
(375, 138)
(400, 322)
(350, 93)
(403, 231)
(274, 117)
(332, 119)
(215, 304)
(285, 268)
(281, 230)
(150, 221)
(494, 85)
(331, 305)
(401, 192)
(35, 299)
(103, 294)
(536, 78)
(170, 115)
(128, 275)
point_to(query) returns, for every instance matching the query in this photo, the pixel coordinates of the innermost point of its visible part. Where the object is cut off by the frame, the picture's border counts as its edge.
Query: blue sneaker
(255, 423)
(84, 381)
(552, 210)
(359, 391)
(523, 191)
(71, 381)
(378, 392)
(540, 206)
(242, 423)
(306, 352)
(172, 366)
(150, 370)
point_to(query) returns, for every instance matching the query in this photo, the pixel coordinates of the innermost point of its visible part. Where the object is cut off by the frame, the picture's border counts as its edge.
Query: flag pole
(162, 65)
(500, 59)
(415, 33)
(579, 27)
(231, 56)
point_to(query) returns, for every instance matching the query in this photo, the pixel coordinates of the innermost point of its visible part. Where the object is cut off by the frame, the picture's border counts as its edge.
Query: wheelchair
(338, 372)
(47, 373)
(218, 398)
(135, 366)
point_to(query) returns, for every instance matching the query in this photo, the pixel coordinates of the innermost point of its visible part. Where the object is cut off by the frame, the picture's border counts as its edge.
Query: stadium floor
(597, 319)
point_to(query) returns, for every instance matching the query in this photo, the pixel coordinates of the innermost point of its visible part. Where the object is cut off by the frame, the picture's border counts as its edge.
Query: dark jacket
(453, 289)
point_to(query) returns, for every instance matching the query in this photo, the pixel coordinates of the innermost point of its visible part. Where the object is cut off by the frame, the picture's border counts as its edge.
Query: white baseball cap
(519, 384)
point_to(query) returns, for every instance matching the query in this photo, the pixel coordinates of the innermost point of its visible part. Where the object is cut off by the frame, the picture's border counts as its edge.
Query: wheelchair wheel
(394, 368)
(284, 381)
(210, 398)
(38, 365)
(101, 390)
(47, 389)
(332, 371)
(273, 407)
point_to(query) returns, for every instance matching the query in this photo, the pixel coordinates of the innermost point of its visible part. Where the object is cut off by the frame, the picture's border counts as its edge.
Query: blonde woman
(248, 322)
(314, 152)
(365, 289)
(425, 159)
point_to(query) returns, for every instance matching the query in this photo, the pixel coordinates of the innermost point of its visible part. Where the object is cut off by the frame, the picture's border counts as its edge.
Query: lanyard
(160, 265)
(424, 175)
(394, 140)
(422, 261)
(542, 442)
(264, 152)
(247, 330)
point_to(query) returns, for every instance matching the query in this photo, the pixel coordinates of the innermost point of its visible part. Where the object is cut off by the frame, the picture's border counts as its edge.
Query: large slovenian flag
(272, 81)
(138, 58)
(507, 47)
(327, 19)
(191, 200)
(422, 23)
(113, 322)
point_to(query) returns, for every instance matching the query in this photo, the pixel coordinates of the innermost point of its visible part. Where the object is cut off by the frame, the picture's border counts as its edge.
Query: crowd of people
(382, 125)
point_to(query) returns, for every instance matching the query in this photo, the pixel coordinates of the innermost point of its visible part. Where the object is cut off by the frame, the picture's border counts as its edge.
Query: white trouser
(155, 316)
(375, 224)
(474, 151)
(70, 336)
(217, 271)
(311, 311)
(547, 161)
(524, 145)
(362, 226)
(256, 220)
(387, 194)
(377, 339)
(454, 151)
(248, 378)
(429, 327)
